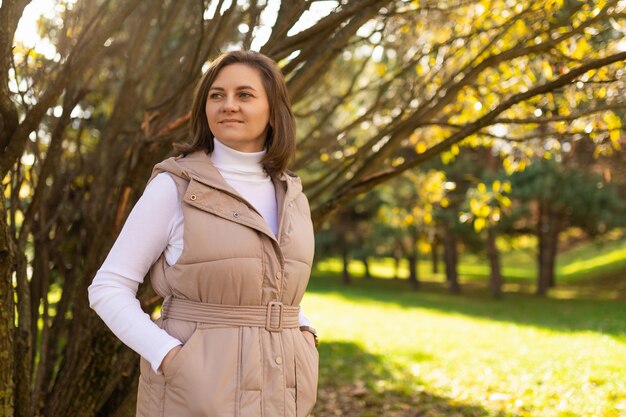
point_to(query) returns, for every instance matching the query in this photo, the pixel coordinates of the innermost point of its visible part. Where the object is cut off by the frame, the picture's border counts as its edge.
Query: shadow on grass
(356, 383)
(564, 315)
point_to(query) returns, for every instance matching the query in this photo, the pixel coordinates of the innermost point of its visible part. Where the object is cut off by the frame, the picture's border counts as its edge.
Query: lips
(231, 121)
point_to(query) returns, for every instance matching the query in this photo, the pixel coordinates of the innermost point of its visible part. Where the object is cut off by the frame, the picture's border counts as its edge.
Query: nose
(229, 105)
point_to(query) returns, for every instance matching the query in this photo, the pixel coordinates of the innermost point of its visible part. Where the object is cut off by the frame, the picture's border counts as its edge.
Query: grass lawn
(390, 351)
(596, 270)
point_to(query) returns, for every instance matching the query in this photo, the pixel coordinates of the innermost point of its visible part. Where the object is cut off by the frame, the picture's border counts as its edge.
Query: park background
(464, 160)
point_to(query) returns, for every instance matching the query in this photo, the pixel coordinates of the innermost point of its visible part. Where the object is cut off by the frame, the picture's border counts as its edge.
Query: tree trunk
(435, 255)
(495, 275)
(396, 267)
(413, 259)
(23, 340)
(548, 229)
(345, 258)
(413, 275)
(553, 245)
(450, 258)
(366, 265)
(7, 315)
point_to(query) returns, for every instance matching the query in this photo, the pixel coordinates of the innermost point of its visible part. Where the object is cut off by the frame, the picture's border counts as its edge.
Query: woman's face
(237, 108)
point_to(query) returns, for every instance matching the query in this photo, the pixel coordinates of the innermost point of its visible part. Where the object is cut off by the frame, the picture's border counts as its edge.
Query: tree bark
(396, 267)
(495, 274)
(435, 255)
(413, 259)
(366, 265)
(548, 229)
(7, 316)
(450, 258)
(345, 259)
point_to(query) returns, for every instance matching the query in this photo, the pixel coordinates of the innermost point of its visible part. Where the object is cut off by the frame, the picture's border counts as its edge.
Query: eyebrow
(241, 87)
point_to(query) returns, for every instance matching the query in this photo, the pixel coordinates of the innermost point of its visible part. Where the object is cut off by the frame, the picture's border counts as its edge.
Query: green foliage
(583, 199)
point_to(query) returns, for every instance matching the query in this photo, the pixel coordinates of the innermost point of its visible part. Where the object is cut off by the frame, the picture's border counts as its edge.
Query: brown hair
(280, 141)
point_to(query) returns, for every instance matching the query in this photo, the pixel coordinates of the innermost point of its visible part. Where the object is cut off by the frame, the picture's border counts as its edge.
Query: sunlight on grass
(521, 357)
(587, 265)
(518, 265)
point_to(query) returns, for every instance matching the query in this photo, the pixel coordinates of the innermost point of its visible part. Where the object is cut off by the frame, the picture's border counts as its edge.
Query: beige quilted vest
(233, 298)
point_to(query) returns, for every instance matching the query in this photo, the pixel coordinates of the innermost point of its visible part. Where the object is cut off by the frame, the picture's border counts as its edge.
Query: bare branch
(75, 63)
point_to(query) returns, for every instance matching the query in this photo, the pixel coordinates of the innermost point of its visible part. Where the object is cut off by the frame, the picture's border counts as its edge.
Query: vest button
(192, 197)
(279, 275)
(235, 214)
(279, 360)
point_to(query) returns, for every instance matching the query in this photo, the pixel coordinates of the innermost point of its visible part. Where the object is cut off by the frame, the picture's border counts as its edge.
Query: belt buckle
(268, 317)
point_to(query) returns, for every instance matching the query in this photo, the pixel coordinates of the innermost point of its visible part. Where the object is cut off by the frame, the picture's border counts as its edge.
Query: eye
(245, 95)
(214, 96)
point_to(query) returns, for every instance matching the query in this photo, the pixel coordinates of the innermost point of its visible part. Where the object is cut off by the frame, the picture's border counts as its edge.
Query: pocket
(307, 364)
(307, 341)
(180, 357)
(202, 378)
(150, 392)
(250, 404)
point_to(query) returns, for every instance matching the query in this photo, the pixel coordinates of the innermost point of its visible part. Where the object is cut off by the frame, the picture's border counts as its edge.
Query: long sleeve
(303, 320)
(112, 293)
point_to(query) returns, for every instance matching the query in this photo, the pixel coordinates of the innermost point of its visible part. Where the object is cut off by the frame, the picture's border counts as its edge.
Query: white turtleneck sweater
(148, 232)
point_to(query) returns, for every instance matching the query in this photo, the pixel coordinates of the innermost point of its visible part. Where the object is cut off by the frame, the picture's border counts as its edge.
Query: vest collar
(198, 166)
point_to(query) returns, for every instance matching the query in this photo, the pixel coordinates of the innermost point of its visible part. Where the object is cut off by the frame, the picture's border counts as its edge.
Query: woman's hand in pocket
(309, 337)
(168, 358)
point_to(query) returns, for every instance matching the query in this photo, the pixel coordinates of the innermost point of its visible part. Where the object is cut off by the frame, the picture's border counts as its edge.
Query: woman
(225, 232)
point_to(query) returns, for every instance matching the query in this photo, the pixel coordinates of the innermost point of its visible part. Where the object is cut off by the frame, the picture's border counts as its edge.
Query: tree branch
(346, 193)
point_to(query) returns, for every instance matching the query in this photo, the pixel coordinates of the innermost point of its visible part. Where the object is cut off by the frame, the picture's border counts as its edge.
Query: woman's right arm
(112, 294)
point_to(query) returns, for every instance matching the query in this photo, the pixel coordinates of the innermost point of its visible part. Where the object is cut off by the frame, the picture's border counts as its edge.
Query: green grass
(390, 351)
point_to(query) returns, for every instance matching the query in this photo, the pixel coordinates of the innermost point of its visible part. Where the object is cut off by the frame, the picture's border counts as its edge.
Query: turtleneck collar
(233, 164)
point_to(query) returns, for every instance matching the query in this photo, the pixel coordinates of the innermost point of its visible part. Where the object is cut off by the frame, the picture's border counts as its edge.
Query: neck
(231, 162)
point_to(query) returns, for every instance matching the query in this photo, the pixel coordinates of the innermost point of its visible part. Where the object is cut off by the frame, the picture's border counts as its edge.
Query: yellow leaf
(474, 206)
(381, 69)
(582, 49)
(508, 166)
(447, 158)
(479, 224)
(547, 69)
(612, 121)
(520, 28)
(614, 135)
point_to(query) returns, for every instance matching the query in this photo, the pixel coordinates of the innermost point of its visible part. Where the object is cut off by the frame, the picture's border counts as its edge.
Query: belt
(274, 317)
